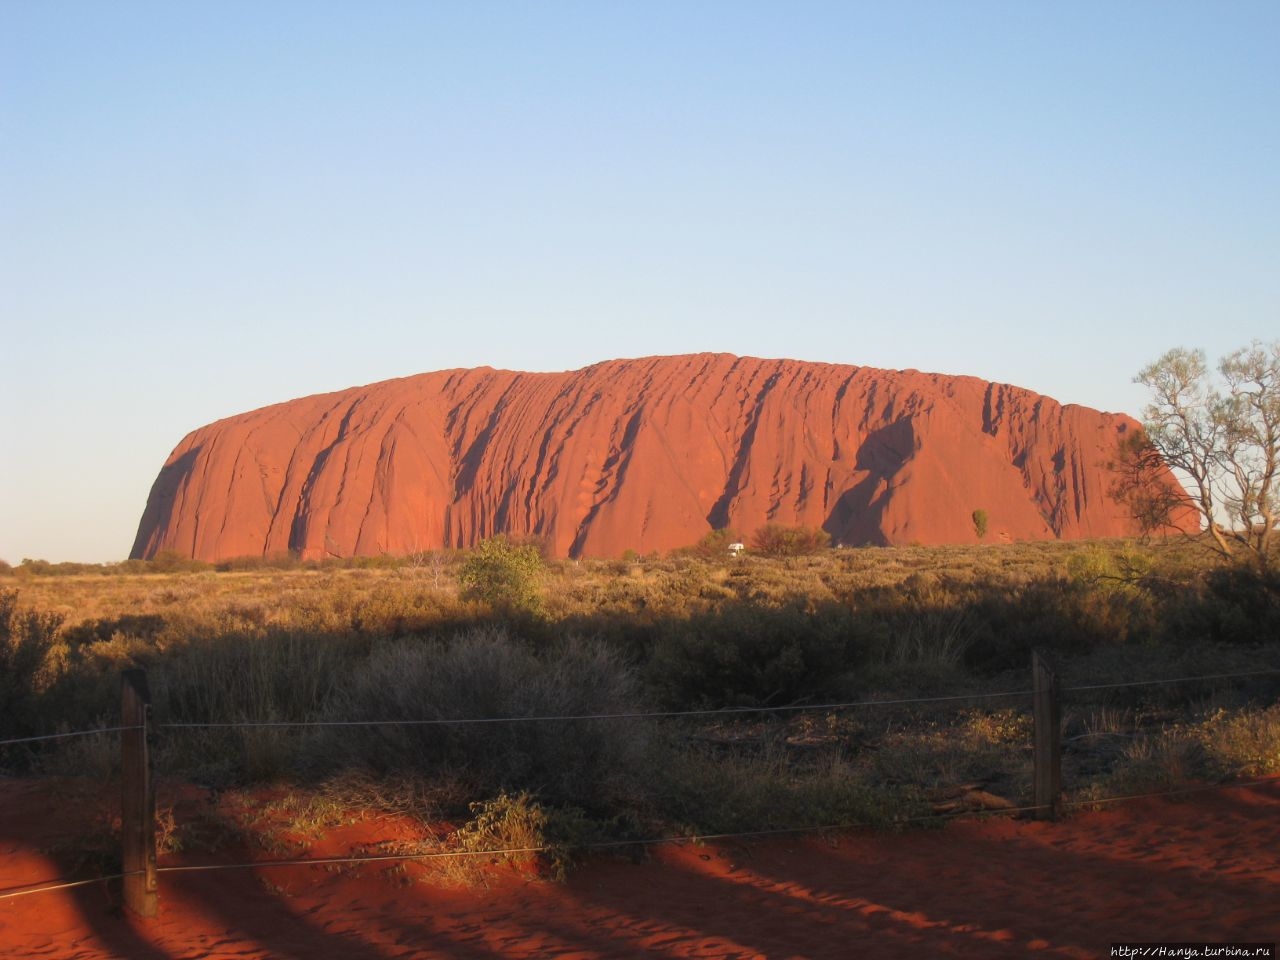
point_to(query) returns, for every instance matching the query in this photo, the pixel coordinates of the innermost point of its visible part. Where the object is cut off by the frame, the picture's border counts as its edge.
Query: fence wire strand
(12, 894)
(717, 712)
(73, 733)
(1173, 680)
(1174, 791)
(635, 715)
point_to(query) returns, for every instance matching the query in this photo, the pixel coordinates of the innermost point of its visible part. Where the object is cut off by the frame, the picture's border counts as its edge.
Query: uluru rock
(644, 455)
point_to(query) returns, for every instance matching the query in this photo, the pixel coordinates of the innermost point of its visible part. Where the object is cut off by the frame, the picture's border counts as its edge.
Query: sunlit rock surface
(643, 455)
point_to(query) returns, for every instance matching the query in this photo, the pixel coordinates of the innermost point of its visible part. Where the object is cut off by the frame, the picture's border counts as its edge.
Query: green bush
(504, 574)
(980, 521)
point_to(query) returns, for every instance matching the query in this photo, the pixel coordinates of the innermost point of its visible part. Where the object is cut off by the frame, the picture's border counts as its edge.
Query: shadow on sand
(1202, 869)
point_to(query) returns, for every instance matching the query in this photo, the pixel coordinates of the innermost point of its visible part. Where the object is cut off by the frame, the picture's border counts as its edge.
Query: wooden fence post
(138, 797)
(1048, 736)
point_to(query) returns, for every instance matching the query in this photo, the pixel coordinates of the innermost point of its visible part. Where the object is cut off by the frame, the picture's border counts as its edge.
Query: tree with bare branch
(1221, 436)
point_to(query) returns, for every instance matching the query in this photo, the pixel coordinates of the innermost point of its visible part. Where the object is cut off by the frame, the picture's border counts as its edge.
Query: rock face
(642, 455)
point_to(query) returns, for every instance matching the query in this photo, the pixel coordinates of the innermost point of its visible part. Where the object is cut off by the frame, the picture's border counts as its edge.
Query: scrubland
(630, 667)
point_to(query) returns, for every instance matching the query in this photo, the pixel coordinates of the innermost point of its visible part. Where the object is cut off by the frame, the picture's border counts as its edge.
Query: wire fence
(641, 714)
(54, 885)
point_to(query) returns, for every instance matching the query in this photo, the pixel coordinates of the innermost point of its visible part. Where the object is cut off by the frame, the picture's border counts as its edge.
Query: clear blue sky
(206, 207)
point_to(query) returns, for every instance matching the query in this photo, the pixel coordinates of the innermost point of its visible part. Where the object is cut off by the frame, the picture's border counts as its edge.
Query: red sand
(1204, 869)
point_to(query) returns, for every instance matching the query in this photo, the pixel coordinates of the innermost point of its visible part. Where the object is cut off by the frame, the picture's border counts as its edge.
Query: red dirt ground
(1206, 868)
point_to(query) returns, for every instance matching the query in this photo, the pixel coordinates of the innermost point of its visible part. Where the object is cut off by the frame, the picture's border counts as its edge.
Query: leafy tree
(1221, 435)
(503, 573)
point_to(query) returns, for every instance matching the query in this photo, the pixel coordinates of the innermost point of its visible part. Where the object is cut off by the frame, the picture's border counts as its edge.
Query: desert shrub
(923, 635)
(936, 750)
(274, 674)
(505, 823)
(519, 827)
(170, 561)
(30, 567)
(437, 566)
(748, 654)
(72, 568)
(1117, 571)
(30, 663)
(6, 568)
(1072, 617)
(486, 674)
(713, 546)
(271, 676)
(921, 628)
(1218, 744)
(1157, 761)
(1232, 604)
(503, 574)
(777, 540)
(392, 608)
(143, 625)
(704, 790)
(287, 560)
(1243, 743)
(49, 685)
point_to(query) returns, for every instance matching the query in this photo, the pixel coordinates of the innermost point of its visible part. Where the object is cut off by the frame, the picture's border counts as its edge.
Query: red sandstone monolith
(647, 454)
